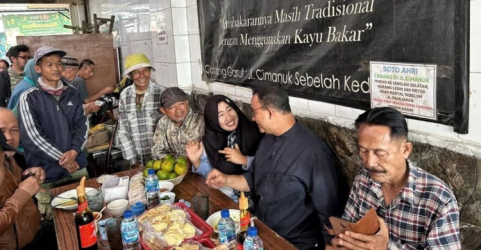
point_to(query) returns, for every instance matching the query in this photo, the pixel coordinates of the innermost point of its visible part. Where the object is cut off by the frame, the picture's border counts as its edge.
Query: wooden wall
(96, 47)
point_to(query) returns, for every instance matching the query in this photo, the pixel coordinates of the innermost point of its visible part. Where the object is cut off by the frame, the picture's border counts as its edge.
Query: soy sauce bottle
(85, 221)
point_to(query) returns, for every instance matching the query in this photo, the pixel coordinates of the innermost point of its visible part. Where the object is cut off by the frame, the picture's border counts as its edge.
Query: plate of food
(68, 200)
(214, 219)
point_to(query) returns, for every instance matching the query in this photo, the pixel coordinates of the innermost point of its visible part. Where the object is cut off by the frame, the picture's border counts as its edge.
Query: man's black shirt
(293, 182)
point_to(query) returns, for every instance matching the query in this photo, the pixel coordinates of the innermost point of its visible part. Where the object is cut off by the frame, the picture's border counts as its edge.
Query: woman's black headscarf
(248, 136)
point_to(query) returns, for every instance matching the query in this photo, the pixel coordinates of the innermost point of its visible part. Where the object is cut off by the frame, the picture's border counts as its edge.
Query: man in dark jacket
(52, 122)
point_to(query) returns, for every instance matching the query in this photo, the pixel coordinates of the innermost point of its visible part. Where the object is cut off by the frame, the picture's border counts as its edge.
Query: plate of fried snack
(166, 226)
(67, 200)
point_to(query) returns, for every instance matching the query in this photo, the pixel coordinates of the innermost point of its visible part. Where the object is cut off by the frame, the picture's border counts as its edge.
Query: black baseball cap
(5, 146)
(172, 95)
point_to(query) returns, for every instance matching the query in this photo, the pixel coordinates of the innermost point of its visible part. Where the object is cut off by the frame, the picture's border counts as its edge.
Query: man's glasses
(26, 58)
(253, 111)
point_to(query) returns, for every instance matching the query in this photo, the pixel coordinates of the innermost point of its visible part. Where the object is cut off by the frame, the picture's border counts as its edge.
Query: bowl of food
(214, 219)
(167, 198)
(165, 186)
(117, 207)
(169, 168)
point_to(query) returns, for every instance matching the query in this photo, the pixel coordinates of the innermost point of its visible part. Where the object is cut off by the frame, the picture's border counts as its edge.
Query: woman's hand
(194, 152)
(234, 155)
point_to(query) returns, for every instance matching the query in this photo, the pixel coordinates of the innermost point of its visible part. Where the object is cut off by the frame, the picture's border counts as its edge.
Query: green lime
(163, 175)
(180, 168)
(146, 172)
(149, 164)
(169, 158)
(172, 175)
(167, 166)
(182, 159)
(157, 165)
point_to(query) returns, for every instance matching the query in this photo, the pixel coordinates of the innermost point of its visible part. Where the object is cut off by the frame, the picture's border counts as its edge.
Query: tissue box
(115, 188)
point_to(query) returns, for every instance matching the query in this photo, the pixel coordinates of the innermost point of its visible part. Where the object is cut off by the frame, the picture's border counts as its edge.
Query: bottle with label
(152, 189)
(130, 231)
(244, 220)
(253, 241)
(85, 221)
(226, 228)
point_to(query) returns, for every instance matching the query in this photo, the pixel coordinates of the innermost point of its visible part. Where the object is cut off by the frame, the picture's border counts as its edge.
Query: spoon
(67, 198)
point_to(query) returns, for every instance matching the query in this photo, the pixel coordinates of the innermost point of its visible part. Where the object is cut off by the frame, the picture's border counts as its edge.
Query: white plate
(68, 194)
(214, 219)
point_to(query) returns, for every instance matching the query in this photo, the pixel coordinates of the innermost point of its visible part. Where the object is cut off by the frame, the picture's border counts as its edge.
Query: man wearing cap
(179, 125)
(86, 71)
(69, 68)
(69, 74)
(19, 216)
(52, 122)
(138, 111)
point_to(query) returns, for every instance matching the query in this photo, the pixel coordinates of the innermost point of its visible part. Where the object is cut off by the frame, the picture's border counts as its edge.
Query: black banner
(321, 50)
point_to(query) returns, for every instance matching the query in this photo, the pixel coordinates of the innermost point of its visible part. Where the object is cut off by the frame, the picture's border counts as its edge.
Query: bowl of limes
(169, 168)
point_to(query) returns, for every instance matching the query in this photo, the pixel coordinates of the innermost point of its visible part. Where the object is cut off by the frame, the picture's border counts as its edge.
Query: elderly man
(69, 68)
(293, 177)
(19, 216)
(419, 211)
(139, 111)
(86, 71)
(179, 125)
(52, 122)
(19, 56)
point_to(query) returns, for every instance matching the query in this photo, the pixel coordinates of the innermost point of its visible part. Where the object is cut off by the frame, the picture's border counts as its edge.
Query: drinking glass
(112, 226)
(95, 199)
(201, 205)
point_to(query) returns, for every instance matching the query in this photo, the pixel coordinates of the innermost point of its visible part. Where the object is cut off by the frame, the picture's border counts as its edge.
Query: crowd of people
(288, 172)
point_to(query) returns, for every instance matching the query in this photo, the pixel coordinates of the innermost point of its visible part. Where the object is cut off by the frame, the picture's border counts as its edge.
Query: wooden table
(192, 183)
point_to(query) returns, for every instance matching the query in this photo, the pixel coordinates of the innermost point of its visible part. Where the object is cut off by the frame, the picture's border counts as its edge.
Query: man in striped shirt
(139, 111)
(416, 209)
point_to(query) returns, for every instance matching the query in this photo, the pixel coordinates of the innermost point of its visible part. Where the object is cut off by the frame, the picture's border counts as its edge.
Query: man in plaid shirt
(417, 210)
(139, 111)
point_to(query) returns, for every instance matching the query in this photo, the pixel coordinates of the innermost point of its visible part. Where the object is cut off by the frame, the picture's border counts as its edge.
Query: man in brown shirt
(20, 226)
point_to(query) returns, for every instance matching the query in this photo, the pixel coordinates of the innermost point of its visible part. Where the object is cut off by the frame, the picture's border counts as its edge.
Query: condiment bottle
(85, 221)
(244, 220)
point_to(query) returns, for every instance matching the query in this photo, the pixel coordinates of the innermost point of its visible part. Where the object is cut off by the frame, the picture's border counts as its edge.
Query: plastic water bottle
(130, 231)
(252, 241)
(152, 189)
(226, 228)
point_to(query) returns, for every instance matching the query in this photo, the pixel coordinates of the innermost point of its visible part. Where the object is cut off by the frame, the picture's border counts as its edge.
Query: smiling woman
(230, 140)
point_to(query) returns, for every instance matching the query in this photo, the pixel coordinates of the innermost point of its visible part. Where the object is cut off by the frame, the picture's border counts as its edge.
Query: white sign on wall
(409, 88)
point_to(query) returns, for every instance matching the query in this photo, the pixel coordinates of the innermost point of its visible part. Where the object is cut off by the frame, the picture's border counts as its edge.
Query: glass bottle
(244, 220)
(85, 221)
